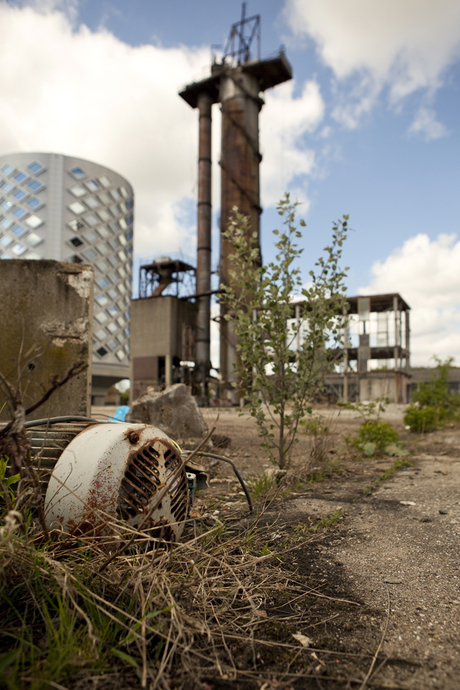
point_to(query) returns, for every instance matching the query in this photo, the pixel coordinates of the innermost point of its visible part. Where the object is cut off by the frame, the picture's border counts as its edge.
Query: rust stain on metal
(101, 497)
(154, 491)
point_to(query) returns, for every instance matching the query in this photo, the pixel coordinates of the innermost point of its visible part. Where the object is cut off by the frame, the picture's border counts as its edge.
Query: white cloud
(283, 121)
(404, 45)
(425, 272)
(425, 123)
(67, 7)
(90, 95)
(67, 89)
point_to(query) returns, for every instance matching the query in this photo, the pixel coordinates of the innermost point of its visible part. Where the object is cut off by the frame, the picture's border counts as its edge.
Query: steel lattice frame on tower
(235, 83)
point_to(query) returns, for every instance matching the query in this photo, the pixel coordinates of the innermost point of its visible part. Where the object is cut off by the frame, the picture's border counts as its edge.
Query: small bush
(435, 394)
(261, 486)
(432, 404)
(322, 441)
(421, 420)
(379, 434)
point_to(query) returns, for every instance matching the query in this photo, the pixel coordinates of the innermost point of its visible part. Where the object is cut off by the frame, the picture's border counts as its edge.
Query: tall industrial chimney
(235, 83)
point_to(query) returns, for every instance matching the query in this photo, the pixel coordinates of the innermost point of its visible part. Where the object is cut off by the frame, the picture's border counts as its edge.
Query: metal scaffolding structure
(156, 277)
(376, 353)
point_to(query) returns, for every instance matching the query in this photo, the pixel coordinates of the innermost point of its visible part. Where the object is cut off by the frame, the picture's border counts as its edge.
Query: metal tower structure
(236, 83)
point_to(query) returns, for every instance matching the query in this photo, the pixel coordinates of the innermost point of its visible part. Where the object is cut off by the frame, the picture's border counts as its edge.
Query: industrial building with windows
(59, 207)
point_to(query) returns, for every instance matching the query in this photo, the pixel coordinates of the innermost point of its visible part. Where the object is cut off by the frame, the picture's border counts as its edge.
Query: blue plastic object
(120, 414)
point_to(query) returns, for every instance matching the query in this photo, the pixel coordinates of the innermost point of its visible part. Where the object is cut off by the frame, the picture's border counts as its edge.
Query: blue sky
(369, 126)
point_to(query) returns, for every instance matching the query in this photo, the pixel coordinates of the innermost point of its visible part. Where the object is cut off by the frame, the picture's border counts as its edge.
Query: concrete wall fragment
(46, 316)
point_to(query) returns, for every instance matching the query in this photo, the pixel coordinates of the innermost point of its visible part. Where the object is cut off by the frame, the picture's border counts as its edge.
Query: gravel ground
(409, 554)
(395, 550)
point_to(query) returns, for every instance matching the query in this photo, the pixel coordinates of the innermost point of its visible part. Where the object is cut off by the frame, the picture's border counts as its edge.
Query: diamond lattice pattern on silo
(19, 201)
(53, 206)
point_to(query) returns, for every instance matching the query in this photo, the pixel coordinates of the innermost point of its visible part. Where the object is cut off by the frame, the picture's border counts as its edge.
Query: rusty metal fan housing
(130, 471)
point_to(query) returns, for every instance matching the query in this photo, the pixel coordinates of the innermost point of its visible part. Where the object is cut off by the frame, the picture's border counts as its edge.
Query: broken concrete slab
(173, 410)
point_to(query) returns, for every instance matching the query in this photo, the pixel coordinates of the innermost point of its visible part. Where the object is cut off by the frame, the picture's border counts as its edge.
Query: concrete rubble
(173, 410)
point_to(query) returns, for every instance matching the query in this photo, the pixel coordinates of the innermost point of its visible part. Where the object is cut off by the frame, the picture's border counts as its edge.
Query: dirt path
(408, 555)
(395, 551)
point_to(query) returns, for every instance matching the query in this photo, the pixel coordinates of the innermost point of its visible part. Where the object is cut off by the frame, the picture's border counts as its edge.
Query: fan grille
(153, 494)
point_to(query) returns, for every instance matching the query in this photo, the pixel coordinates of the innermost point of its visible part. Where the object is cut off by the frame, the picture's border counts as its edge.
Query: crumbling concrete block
(46, 327)
(174, 411)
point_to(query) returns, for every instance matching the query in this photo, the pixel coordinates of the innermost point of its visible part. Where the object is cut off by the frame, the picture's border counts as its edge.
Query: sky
(368, 126)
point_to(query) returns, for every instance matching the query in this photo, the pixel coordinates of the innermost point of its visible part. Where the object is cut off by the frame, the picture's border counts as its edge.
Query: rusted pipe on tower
(203, 268)
(240, 159)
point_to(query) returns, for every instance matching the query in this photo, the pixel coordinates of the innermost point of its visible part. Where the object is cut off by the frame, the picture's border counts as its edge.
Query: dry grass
(162, 617)
(220, 608)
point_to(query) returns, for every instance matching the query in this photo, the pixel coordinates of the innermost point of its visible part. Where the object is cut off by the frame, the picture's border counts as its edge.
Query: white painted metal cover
(130, 471)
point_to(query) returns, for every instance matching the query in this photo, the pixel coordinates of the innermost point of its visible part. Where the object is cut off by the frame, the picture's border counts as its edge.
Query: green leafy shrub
(282, 358)
(432, 405)
(375, 435)
(421, 420)
(436, 393)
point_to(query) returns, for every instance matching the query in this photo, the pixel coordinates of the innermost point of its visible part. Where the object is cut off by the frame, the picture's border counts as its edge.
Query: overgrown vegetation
(319, 429)
(374, 435)
(432, 405)
(421, 420)
(132, 611)
(183, 616)
(282, 359)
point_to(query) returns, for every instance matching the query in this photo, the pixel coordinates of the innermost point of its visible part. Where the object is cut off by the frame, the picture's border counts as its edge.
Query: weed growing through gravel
(389, 472)
(323, 523)
(266, 487)
(328, 521)
(386, 474)
(316, 477)
(261, 486)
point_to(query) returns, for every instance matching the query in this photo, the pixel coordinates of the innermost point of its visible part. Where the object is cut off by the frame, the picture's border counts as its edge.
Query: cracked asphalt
(400, 546)
(396, 547)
